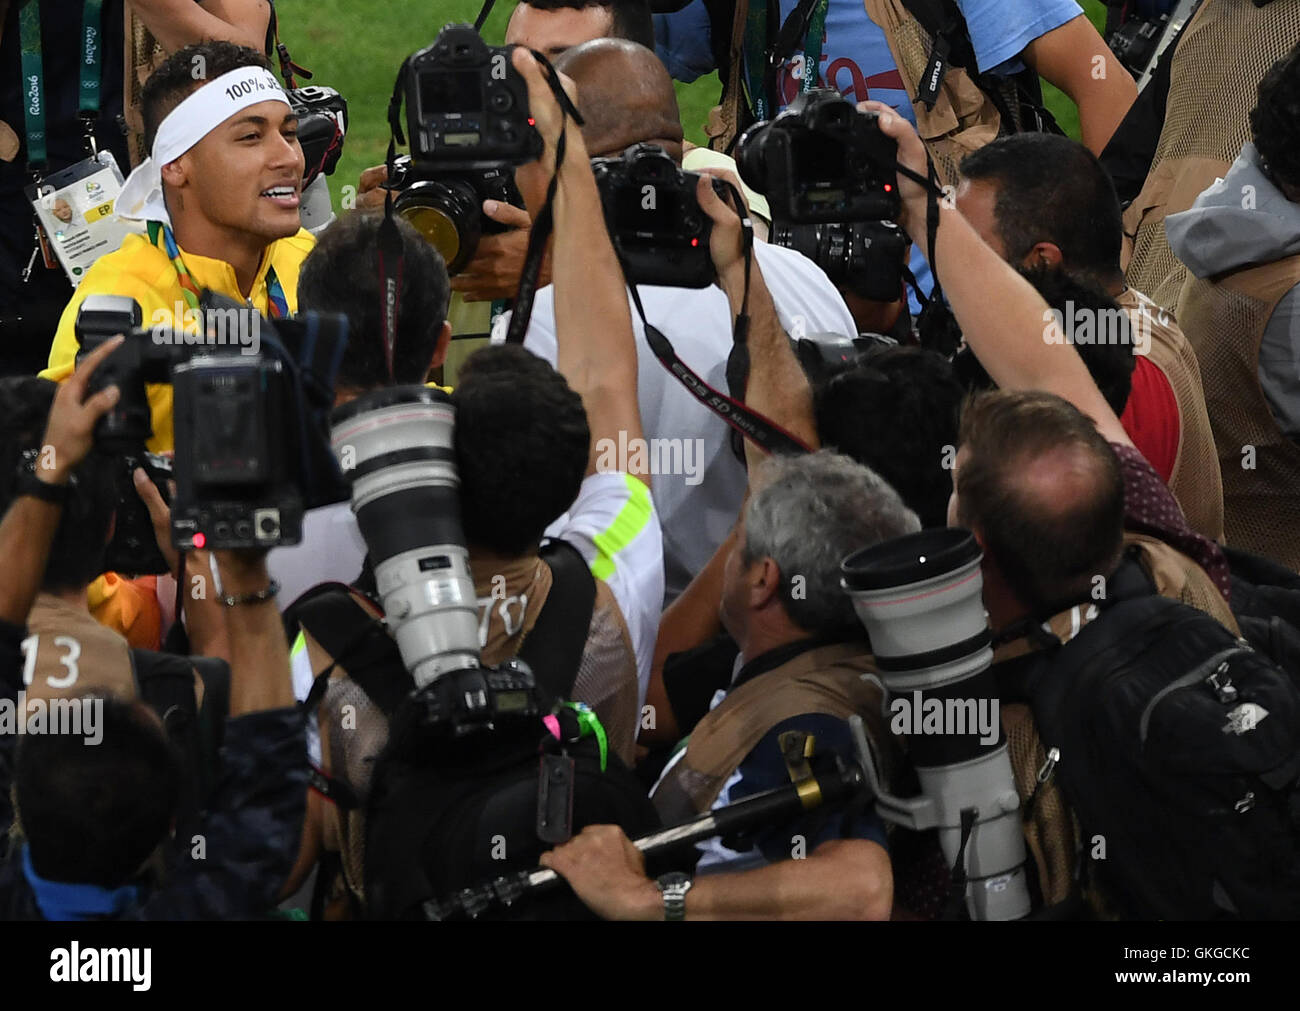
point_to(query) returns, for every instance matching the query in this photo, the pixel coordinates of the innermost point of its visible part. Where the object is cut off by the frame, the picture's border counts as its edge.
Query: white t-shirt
(331, 551)
(612, 523)
(699, 499)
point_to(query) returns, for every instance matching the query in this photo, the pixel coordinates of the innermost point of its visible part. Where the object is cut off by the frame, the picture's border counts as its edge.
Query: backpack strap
(554, 646)
(348, 633)
(944, 22)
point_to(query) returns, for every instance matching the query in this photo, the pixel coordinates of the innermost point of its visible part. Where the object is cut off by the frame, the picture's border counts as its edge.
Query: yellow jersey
(143, 271)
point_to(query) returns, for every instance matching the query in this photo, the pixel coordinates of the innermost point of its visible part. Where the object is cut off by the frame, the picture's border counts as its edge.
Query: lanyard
(88, 103)
(160, 235)
(762, 62)
(33, 89)
(812, 46)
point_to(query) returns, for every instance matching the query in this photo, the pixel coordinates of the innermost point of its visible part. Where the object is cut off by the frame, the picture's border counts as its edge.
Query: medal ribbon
(161, 236)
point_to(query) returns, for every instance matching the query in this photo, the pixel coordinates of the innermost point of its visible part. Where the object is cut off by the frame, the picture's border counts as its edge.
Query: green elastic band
(589, 723)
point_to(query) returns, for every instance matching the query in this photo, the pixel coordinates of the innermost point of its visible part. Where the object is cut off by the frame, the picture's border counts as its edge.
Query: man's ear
(1044, 254)
(764, 583)
(176, 173)
(440, 347)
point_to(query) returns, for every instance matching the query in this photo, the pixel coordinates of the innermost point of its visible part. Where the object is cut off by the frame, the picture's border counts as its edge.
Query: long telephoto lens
(919, 598)
(395, 447)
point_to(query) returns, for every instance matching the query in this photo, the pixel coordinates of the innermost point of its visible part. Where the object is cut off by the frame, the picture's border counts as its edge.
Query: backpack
(1266, 604)
(1178, 749)
(431, 831)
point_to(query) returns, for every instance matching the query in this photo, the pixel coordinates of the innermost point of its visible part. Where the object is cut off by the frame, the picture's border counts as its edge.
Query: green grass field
(357, 49)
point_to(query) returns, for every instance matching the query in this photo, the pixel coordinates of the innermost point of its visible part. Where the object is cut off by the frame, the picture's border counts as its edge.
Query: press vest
(1226, 319)
(1225, 51)
(826, 679)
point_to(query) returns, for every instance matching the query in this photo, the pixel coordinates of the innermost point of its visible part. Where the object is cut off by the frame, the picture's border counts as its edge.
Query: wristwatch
(674, 887)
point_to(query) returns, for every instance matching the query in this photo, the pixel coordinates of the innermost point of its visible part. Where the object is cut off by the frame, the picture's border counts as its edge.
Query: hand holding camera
(74, 415)
(911, 154)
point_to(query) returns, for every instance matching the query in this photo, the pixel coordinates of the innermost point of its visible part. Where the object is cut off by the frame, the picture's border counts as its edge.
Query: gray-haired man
(801, 666)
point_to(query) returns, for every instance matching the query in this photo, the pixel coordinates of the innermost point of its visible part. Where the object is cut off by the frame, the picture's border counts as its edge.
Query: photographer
(802, 660)
(987, 81)
(95, 812)
(34, 290)
(1045, 202)
(525, 442)
(1241, 303)
(1186, 136)
(220, 197)
(627, 98)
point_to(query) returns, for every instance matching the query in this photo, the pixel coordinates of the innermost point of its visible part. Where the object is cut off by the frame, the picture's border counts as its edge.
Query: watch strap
(29, 484)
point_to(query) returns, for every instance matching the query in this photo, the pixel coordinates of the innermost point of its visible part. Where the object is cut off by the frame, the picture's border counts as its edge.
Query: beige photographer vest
(1225, 51)
(1225, 321)
(826, 679)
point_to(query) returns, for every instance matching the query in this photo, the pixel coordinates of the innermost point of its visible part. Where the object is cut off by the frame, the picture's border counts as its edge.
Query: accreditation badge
(74, 208)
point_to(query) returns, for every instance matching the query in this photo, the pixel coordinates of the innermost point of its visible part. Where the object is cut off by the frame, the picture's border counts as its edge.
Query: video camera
(468, 125)
(654, 218)
(249, 400)
(828, 174)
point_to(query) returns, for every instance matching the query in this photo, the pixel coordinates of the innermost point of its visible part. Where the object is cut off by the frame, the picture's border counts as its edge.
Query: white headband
(198, 115)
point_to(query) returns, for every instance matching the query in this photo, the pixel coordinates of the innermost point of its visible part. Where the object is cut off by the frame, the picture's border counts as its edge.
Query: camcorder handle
(841, 785)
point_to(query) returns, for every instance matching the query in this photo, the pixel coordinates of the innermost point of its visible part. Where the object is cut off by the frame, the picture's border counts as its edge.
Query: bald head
(1044, 492)
(625, 95)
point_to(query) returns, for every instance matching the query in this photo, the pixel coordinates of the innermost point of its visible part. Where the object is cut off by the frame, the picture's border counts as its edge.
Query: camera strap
(762, 431)
(545, 223)
(483, 13)
(391, 255)
(274, 46)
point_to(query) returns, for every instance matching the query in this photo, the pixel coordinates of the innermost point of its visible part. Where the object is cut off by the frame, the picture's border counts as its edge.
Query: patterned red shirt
(1150, 508)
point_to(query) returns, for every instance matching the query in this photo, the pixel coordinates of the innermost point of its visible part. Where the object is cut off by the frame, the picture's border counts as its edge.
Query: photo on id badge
(75, 209)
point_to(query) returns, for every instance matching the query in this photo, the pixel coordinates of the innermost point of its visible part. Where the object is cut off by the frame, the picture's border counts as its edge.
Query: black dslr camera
(250, 401)
(322, 123)
(468, 124)
(862, 257)
(828, 174)
(654, 217)
(821, 160)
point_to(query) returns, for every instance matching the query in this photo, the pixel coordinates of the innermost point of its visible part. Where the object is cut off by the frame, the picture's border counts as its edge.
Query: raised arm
(30, 523)
(179, 23)
(777, 387)
(1076, 59)
(1004, 320)
(596, 347)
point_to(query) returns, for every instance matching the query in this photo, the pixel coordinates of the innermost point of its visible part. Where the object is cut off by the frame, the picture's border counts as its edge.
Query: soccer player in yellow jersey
(219, 199)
